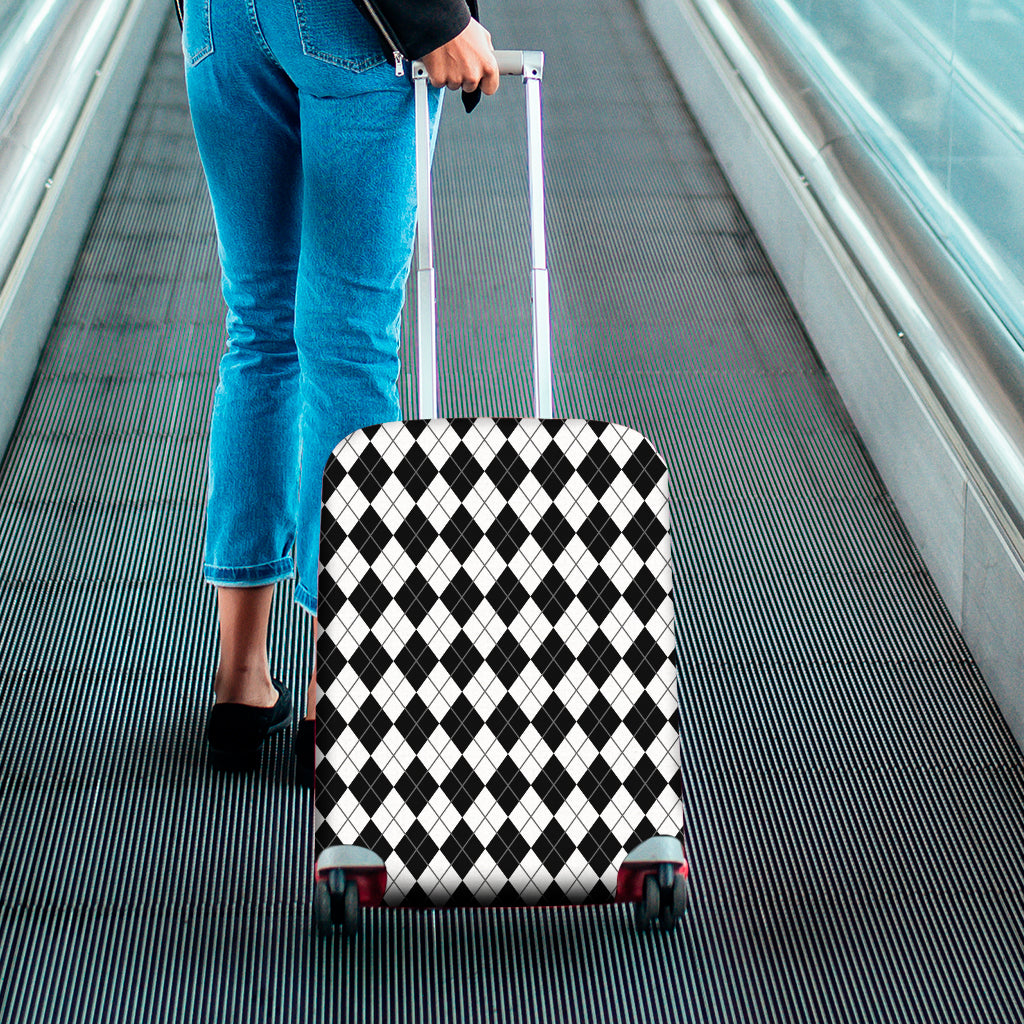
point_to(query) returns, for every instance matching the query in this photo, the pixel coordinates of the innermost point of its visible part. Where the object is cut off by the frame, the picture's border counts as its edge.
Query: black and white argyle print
(497, 707)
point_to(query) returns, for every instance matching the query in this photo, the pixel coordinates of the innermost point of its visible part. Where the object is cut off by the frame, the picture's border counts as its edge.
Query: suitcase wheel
(649, 904)
(665, 897)
(336, 901)
(322, 909)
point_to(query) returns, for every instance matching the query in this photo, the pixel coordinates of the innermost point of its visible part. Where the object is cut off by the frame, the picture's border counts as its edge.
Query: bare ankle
(245, 685)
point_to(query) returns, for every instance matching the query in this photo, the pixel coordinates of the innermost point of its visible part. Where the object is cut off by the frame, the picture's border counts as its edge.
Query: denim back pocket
(336, 33)
(196, 35)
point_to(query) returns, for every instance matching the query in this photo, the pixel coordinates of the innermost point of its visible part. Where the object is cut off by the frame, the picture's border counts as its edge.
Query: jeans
(306, 138)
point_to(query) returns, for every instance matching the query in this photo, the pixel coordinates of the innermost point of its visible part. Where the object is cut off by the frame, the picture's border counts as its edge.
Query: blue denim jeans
(306, 137)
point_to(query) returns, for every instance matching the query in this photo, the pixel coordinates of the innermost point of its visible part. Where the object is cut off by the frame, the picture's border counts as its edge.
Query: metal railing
(51, 56)
(69, 74)
(952, 292)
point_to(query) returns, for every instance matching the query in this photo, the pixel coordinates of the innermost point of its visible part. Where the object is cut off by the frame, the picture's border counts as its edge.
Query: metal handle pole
(529, 64)
(426, 328)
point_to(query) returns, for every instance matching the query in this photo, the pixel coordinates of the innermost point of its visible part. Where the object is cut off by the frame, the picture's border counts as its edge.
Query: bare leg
(311, 693)
(243, 675)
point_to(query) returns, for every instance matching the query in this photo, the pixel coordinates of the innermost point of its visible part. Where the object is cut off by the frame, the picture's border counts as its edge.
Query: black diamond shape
(554, 896)
(599, 783)
(416, 534)
(462, 785)
(645, 531)
(332, 598)
(506, 425)
(330, 661)
(416, 472)
(645, 829)
(370, 598)
(461, 471)
(599, 721)
(599, 532)
(508, 785)
(598, 469)
(508, 848)
(416, 660)
(552, 469)
(461, 425)
(416, 849)
(330, 724)
(461, 659)
(645, 783)
(462, 849)
(416, 786)
(645, 719)
(599, 658)
(370, 472)
(461, 533)
(507, 534)
(600, 847)
(371, 838)
(416, 723)
(553, 785)
(332, 536)
(329, 788)
(416, 597)
(370, 724)
(508, 722)
(553, 847)
(553, 533)
(324, 836)
(553, 596)
(507, 596)
(506, 470)
(417, 897)
(371, 787)
(510, 896)
(462, 722)
(553, 659)
(334, 474)
(646, 594)
(370, 534)
(370, 661)
(462, 597)
(645, 469)
(644, 657)
(599, 595)
(507, 659)
(553, 721)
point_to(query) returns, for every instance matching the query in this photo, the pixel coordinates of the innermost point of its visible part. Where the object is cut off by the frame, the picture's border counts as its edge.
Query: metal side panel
(855, 803)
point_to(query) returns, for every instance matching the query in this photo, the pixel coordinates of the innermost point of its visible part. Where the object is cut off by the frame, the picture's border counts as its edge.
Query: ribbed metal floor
(855, 803)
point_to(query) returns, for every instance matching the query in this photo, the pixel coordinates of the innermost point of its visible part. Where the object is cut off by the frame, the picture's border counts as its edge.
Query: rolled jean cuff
(249, 575)
(305, 599)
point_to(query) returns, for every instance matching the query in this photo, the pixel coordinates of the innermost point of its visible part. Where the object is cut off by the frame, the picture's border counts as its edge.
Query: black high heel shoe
(305, 752)
(236, 732)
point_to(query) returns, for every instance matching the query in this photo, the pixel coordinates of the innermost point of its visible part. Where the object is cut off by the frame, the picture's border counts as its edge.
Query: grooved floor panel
(855, 802)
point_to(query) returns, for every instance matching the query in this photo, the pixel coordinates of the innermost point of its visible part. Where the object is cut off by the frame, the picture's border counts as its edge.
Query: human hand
(465, 62)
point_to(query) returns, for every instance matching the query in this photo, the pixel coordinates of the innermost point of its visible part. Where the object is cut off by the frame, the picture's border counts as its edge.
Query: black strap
(471, 99)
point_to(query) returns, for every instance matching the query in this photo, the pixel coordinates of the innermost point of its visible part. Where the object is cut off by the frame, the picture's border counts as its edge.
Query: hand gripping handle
(528, 64)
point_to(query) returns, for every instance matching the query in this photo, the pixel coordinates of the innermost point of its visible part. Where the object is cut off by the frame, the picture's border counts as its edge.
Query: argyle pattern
(497, 711)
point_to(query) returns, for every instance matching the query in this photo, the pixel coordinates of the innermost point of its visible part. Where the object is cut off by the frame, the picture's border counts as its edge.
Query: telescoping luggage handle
(529, 64)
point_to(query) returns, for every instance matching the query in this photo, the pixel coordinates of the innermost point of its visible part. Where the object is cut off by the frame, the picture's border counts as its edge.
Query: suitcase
(497, 713)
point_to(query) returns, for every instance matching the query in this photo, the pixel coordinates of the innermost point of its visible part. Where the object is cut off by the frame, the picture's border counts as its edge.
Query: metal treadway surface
(855, 803)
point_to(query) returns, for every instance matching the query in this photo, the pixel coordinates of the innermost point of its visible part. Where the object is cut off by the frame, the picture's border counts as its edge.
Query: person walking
(304, 121)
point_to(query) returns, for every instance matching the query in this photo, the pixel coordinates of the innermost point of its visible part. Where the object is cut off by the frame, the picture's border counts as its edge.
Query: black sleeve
(424, 25)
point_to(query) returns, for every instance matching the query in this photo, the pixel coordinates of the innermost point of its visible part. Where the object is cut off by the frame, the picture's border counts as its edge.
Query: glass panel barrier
(936, 89)
(51, 58)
